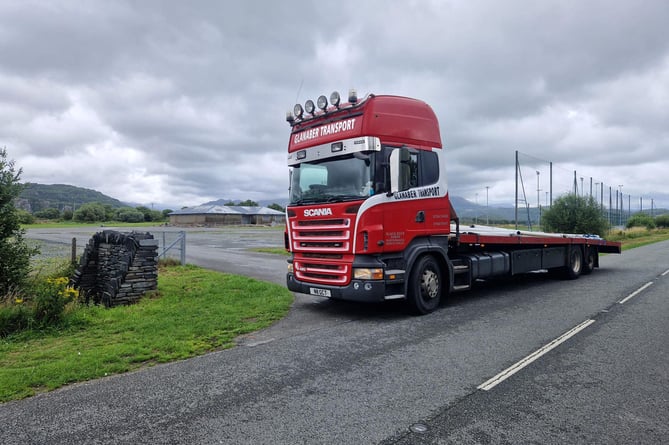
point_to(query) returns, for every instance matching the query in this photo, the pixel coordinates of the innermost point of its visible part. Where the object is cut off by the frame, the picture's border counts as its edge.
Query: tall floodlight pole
(516, 200)
(487, 214)
(610, 204)
(622, 209)
(550, 188)
(538, 201)
(476, 220)
(652, 202)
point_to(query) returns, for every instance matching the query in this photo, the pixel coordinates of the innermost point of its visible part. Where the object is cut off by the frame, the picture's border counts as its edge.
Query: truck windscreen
(343, 178)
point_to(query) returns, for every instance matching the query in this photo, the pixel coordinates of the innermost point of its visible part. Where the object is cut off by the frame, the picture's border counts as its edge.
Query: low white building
(218, 215)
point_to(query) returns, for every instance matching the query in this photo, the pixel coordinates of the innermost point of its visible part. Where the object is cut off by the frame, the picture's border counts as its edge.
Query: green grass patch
(638, 236)
(194, 311)
(272, 250)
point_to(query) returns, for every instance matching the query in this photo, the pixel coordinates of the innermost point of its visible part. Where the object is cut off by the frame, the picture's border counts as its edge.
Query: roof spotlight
(352, 96)
(309, 106)
(289, 117)
(322, 102)
(335, 99)
(298, 111)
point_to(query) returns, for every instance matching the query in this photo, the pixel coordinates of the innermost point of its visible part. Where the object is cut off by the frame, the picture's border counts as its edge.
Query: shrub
(14, 251)
(662, 221)
(574, 214)
(15, 316)
(50, 213)
(50, 298)
(25, 217)
(90, 212)
(128, 214)
(641, 220)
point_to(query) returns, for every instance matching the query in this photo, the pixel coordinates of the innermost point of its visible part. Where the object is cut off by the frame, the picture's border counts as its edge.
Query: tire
(574, 263)
(425, 286)
(589, 260)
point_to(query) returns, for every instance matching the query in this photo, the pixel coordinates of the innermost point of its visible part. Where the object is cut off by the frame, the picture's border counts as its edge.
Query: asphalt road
(354, 374)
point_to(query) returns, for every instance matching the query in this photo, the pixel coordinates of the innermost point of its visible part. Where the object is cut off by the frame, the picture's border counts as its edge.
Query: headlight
(290, 267)
(368, 274)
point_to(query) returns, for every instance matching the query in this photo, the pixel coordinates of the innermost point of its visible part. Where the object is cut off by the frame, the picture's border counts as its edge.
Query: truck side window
(413, 170)
(429, 164)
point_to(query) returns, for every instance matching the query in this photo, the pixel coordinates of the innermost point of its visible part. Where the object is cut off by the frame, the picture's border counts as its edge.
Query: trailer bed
(481, 235)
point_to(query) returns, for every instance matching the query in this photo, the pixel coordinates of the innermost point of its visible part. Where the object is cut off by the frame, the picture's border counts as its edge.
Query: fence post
(183, 247)
(74, 251)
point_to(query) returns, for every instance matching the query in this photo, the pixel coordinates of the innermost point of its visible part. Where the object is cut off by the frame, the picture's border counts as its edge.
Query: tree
(574, 214)
(248, 203)
(50, 213)
(641, 220)
(662, 221)
(14, 251)
(128, 214)
(275, 206)
(90, 212)
(150, 215)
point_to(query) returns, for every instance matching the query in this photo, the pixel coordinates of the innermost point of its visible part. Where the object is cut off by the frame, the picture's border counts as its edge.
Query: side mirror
(400, 171)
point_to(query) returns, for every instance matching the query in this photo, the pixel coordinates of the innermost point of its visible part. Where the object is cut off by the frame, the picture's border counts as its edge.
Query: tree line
(97, 212)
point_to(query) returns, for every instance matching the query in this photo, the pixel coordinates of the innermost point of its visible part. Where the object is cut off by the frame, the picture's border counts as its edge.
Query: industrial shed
(218, 215)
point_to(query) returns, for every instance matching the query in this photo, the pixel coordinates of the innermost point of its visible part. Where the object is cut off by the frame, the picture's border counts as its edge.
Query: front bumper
(368, 291)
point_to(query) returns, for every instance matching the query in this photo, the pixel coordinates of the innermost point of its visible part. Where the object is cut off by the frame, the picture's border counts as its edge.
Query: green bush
(49, 213)
(25, 217)
(662, 221)
(574, 214)
(40, 304)
(90, 212)
(49, 299)
(15, 316)
(641, 220)
(128, 214)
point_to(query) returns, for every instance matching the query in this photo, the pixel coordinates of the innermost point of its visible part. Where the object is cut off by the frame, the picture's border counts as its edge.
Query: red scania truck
(369, 217)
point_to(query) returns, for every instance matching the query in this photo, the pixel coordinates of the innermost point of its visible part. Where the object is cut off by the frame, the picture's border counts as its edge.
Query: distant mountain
(36, 197)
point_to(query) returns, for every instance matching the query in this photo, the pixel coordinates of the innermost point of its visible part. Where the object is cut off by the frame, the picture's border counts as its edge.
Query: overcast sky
(177, 103)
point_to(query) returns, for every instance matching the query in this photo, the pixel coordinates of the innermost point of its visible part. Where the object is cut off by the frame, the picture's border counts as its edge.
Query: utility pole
(487, 213)
(538, 200)
(477, 209)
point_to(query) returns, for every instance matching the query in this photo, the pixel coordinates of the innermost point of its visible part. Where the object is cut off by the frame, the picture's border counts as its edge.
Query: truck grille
(325, 235)
(322, 243)
(333, 274)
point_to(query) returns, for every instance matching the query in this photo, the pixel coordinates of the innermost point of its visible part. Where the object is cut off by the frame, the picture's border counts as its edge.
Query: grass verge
(638, 236)
(193, 312)
(272, 250)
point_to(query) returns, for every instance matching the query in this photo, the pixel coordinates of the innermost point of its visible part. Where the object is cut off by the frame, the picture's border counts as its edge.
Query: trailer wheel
(425, 286)
(574, 263)
(589, 260)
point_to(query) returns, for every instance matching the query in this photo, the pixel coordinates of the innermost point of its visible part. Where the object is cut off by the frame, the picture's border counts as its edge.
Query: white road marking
(665, 272)
(511, 370)
(635, 293)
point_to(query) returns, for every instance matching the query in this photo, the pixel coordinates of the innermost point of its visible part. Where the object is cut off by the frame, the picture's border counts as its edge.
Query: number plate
(320, 292)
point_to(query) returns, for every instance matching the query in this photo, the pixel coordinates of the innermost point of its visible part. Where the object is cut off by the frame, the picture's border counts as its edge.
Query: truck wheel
(589, 261)
(574, 263)
(425, 286)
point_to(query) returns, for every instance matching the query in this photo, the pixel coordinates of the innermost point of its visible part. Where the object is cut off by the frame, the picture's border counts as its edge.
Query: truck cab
(367, 180)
